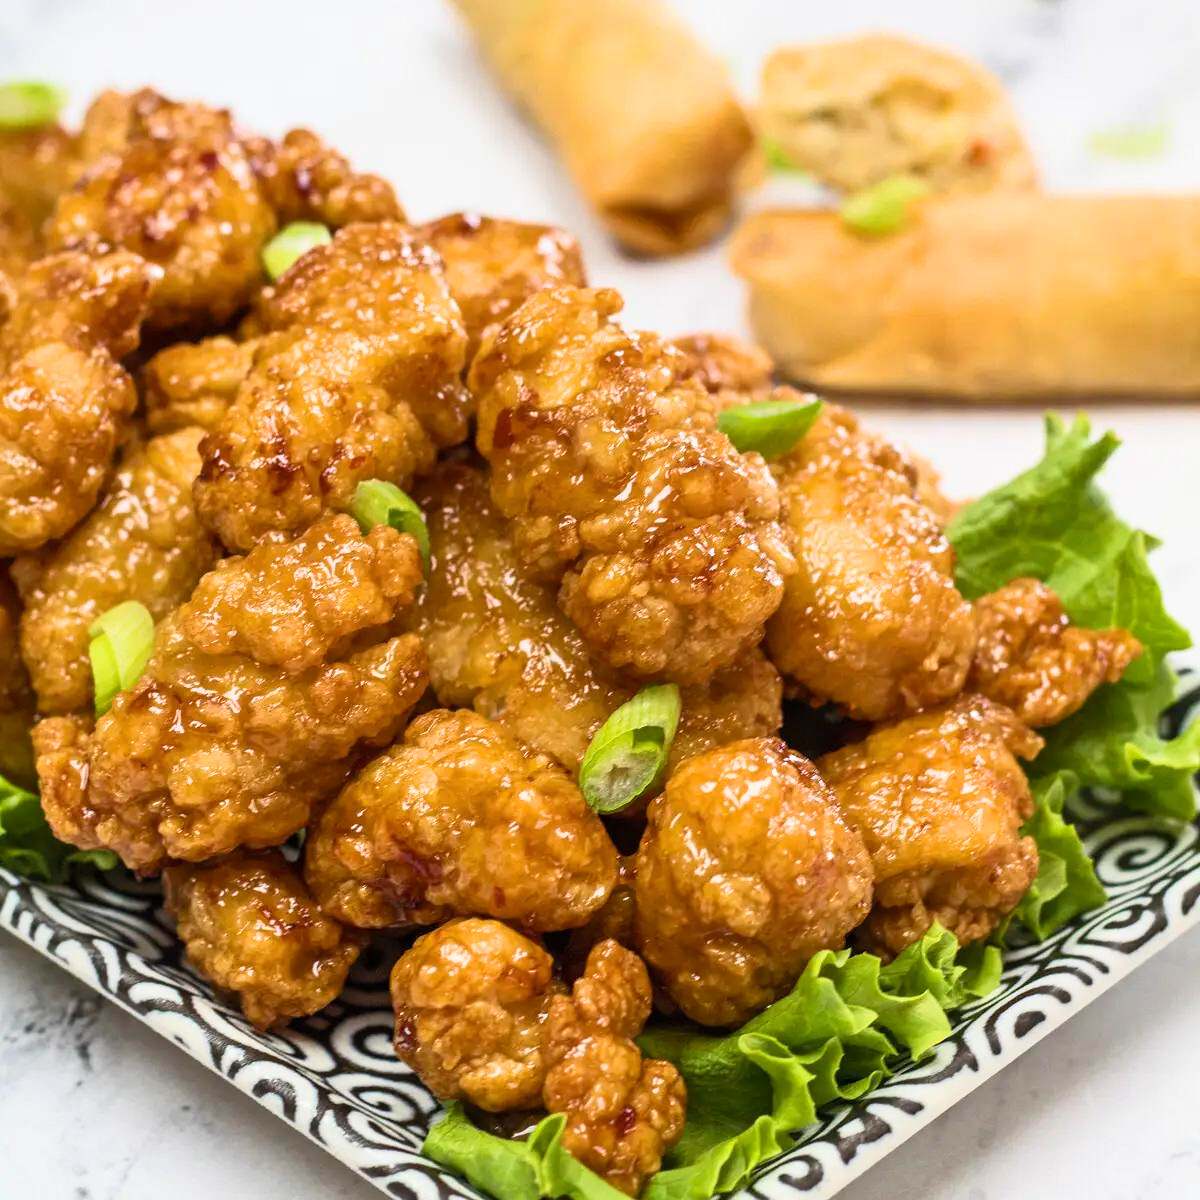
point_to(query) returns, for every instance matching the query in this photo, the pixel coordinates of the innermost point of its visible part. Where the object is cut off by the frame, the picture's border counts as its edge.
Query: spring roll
(990, 296)
(853, 112)
(645, 117)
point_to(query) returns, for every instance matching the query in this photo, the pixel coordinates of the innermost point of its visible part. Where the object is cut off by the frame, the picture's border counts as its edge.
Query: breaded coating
(180, 185)
(357, 377)
(1030, 657)
(745, 870)
(16, 695)
(939, 799)
(64, 398)
(623, 1112)
(142, 543)
(250, 926)
(665, 539)
(36, 165)
(872, 620)
(471, 1001)
(173, 183)
(460, 819)
(614, 920)
(194, 383)
(493, 266)
(721, 363)
(498, 642)
(260, 692)
(19, 241)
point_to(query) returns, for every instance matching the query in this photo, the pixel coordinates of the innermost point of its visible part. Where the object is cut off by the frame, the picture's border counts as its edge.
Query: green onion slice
(627, 756)
(1130, 141)
(290, 243)
(772, 427)
(29, 104)
(885, 206)
(122, 640)
(778, 158)
(379, 503)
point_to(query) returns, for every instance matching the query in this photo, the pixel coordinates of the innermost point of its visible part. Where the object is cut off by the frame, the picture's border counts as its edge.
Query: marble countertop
(93, 1106)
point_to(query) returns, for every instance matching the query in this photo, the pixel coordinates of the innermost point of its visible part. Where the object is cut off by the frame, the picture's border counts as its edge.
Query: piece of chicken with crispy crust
(471, 1000)
(36, 165)
(194, 383)
(460, 819)
(624, 1112)
(17, 703)
(1030, 657)
(142, 542)
(178, 184)
(249, 925)
(65, 400)
(261, 691)
(721, 363)
(872, 620)
(493, 265)
(498, 642)
(356, 377)
(746, 870)
(939, 799)
(665, 539)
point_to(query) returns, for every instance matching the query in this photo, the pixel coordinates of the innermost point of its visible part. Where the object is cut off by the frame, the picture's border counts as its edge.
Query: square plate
(334, 1076)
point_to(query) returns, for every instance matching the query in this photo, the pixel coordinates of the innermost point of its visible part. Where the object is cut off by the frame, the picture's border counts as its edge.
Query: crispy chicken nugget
(194, 383)
(498, 642)
(939, 799)
(64, 398)
(180, 185)
(1030, 657)
(624, 1112)
(471, 1001)
(249, 925)
(142, 543)
(665, 540)
(261, 690)
(357, 376)
(872, 620)
(493, 266)
(17, 702)
(460, 819)
(745, 870)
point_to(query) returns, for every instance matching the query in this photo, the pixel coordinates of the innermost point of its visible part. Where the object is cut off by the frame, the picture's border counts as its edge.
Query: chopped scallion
(629, 752)
(122, 640)
(380, 503)
(884, 207)
(1129, 141)
(772, 427)
(290, 243)
(778, 158)
(29, 104)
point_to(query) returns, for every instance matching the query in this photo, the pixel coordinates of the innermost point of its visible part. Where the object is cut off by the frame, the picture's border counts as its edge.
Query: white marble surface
(95, 1107)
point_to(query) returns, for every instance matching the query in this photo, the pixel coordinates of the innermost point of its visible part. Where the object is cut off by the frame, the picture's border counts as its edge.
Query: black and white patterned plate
(334, 1076)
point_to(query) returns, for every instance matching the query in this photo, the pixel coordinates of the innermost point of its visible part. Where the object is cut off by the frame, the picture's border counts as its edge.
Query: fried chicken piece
(260, 692)
(64, 398)
(460, 819)
(250, 926)
(1030, 657)
(872, 620)
(16, 695)
(471, 1001)
(498, 642)
(493, 266)
(357, 377)
(614, 920)
(194, 383)
(19, 242)
(745, 870)
(178, 184)
(939, 799)
(664, 538)
(721, 363)
(142, 543)
(36, 165)
(624, 1112)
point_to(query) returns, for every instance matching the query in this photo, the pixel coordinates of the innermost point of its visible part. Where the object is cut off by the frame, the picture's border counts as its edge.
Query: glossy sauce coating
(16, 694)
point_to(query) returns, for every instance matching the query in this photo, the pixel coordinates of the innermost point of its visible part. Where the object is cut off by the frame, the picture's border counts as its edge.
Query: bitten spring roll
(994, 296)
(645, 117)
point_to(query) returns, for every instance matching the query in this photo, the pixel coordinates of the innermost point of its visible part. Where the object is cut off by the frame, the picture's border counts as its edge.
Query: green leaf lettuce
(27, 847)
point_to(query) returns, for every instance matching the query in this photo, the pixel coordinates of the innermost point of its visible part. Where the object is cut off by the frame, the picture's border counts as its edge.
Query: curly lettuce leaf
(1066, 883)
(1053, 523)
(27, 847)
